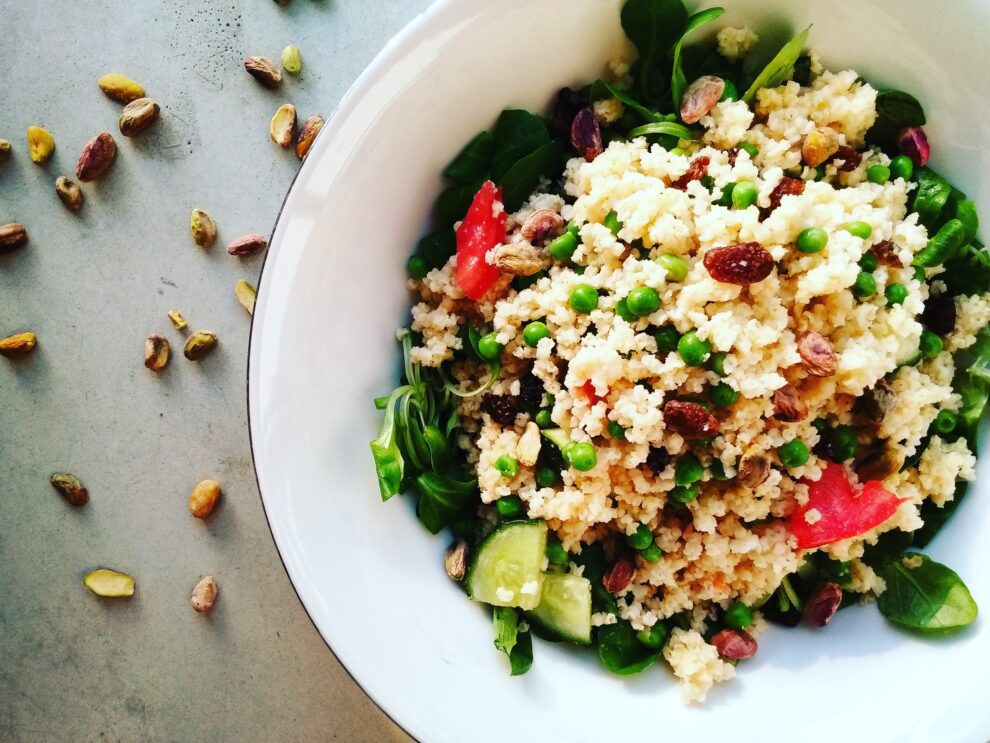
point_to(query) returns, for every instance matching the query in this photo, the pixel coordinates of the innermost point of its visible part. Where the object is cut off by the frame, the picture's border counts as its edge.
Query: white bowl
(322, 347)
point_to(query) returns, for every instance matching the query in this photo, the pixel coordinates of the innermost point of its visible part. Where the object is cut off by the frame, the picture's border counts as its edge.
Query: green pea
(556, 554)
(693, 350)
(731, 92)
(902, 167)
(507, 466)
(534, 332)
(612, 222)
(616, 431)
(651, 553)
(843, 443)
(895, 294)
(580, 455)
(739, 616)
(945, 421)
(544, 418)
(868, 262)
(685, 493)
(858, 229)
(563, 247)
(547, 477)
(722, 395)
(417, 266)
(675, 266)
(793, 454)
(641, 538)
(878, 174)
(574, 228)
(510, 506)
(718, 470)
(688, 470)
(488, 347)
(820, 425)
(678, 151)
(749, 147)
(584, 298)
(717, 363)
(931, 345)
(623, 311)
(655, 637)
(667, 339)
(865, 286)
(744, 195)
(811, 240)
(643, 300)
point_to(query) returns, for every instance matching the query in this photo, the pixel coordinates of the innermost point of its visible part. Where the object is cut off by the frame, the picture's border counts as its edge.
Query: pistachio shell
(199, 344)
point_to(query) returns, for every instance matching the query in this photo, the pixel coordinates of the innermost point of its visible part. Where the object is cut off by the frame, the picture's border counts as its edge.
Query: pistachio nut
(199, 344)
(291, 60)
(247, 245)
(204, 595)
(307, 133)
(519, 259)
(69, 488)
(455, 560)
(157, 352)
(69, 193)
(5, 149)
(204, 229)
(203, 498)
(12, 236)
(245, 295)
(109, 583)
(18, 344)
(137, 116)
(283, 125)
(97, 157)
(120, 88)
(177, 320)
(264, 70)
(40, 144)
(819, 145)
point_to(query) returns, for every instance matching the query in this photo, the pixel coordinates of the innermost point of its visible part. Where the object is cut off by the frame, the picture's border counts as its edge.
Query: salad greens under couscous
(703, 349)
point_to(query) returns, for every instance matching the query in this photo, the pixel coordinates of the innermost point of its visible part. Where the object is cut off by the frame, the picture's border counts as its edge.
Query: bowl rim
(378, 65)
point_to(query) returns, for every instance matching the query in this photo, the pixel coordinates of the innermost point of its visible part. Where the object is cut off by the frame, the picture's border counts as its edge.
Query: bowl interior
(333, 293)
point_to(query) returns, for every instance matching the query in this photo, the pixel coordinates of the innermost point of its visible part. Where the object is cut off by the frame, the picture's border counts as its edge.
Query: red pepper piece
(844, 513)
(482, 229)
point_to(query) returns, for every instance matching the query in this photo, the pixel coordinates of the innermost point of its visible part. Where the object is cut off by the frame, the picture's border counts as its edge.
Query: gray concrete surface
(92, 286)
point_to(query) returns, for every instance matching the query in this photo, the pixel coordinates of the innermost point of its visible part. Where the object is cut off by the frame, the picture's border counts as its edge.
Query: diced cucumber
(565, 607)
(556, 436)
(508, 566)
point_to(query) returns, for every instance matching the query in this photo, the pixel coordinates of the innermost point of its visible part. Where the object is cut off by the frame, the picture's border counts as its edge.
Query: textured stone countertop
(93, 285)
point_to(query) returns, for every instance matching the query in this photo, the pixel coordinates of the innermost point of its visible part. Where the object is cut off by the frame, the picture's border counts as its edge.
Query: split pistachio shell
(157, 352)
(109, 583)
(283, 125)
(264, 70)
(307, 134)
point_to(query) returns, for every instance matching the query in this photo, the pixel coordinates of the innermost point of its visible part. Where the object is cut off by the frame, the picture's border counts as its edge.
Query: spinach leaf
(437, 247)
(974, 392)
(802, 70)
(935, 518)
(895, 111)
(890, 545)
(621, 652)
(521, 657)
(627, 100)
(930, 198)
(436, 443)
(925, 596)
(452, 203)
(505, 622)
(969, 272)
(652, 26)
(389, 464)
(518, 133)
(474, 161)
(442, 499)
(943, 245)
(678, 80)
(592, 557)
(668, 128)
(965, 212)
(779, 67)
(522, 178)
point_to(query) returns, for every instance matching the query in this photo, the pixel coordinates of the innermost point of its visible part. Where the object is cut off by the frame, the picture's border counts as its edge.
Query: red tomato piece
(483, 228)
(844, 513)
(588, 390)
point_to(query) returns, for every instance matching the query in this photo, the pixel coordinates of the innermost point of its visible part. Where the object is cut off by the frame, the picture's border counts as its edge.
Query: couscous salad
(702, 349)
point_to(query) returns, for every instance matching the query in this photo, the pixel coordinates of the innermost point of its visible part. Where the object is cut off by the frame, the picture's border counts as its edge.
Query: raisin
(619, 574)
(742, 264)
(732, 153)
(689, 419)
(696, 169)
(501, 408)
(786, 187)
(586, 134)
(850, 159)
(531, 392)
(565, 108)
(939, 315)
(886, 253)
(658, 459)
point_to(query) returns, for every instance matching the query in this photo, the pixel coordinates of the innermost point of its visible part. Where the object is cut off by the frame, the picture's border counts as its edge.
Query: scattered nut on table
(204, 595)
(12, 236)
(70, 488)
(248, 245)
(19, 344)
(137, 116)
(283, 125)
(203, 498)
(69, 193)
(109, 583)
(264, 70)
(97, 157)
(307, 134)
(177, 320)
(291, 60)
(157, 352)
(41, 145)
(204, 229)
(246, 295)
(199, 344)
(120, 88)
